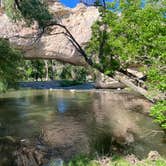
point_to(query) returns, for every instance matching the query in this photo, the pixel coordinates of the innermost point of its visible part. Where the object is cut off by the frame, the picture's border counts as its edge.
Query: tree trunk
(46, 69)
(53, 69)
(125, 80)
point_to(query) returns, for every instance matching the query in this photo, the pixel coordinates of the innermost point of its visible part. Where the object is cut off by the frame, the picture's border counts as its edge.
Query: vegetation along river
(74, 122)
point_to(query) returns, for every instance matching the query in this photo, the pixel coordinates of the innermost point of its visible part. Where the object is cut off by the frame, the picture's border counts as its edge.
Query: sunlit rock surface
(105, 82)
(78, 20)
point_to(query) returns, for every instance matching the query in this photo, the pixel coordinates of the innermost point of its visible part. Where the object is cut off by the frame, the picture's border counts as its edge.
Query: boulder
(105, 82)
(153, 155)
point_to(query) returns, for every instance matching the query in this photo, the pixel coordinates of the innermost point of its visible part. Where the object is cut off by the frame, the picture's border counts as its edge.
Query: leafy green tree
(70, 72)
(29, 10)
(159, 112)
(34, 69)
(133, 32)
(10, 65)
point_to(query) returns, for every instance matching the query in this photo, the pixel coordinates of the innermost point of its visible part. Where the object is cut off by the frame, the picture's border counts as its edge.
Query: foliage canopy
(10, 62)
(132, 33)
(29, 10)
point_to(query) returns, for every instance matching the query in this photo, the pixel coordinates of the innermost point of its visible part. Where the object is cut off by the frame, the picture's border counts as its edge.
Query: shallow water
(75, 121)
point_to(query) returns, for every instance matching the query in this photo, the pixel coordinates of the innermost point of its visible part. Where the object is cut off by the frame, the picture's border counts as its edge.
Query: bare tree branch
(17, 4)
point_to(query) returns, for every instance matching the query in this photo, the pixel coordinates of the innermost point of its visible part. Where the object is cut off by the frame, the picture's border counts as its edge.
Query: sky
(72, 3)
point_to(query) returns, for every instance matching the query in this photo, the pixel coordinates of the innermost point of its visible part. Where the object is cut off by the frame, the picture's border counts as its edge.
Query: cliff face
(78, 20)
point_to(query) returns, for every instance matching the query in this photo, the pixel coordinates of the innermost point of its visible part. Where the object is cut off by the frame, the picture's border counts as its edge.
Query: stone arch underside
(78, 21)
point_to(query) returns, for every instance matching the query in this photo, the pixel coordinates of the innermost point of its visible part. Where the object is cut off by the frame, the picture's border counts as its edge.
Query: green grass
(82, 161)
(86, 161)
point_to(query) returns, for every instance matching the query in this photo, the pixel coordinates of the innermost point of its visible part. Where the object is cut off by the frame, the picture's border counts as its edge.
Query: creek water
(74, 122)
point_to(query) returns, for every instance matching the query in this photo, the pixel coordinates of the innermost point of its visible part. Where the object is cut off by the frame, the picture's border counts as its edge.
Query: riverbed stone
(153, 155)
(132, 159)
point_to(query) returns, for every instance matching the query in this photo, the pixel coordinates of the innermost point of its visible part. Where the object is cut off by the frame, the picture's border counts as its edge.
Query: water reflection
(75, 122)
(62, 105)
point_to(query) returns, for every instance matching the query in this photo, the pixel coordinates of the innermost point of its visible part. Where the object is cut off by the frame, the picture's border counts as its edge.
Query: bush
(158, 111)
(10, 65)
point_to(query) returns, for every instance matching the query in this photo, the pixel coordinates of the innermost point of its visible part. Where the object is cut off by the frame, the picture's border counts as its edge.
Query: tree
(34, 69)
(10, 65)
(134, 34)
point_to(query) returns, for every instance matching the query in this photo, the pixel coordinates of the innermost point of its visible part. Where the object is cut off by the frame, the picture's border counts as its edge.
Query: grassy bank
(117, 161)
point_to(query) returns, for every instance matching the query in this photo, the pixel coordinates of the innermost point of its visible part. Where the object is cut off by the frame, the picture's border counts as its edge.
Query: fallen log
(127, 81)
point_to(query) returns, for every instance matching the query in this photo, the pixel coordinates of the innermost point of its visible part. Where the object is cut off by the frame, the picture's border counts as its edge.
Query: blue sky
(72, 3)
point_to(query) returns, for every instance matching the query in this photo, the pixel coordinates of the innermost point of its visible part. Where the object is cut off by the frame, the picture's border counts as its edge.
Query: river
(75, 122)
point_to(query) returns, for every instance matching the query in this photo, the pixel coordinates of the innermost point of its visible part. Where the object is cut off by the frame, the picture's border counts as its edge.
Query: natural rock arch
(77, 20)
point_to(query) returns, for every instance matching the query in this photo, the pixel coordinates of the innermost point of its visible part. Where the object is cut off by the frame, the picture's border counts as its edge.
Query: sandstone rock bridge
(78, 20)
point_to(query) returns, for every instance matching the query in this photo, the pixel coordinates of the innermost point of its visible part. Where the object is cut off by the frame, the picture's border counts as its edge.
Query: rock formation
(106, 82)
(78, 20)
